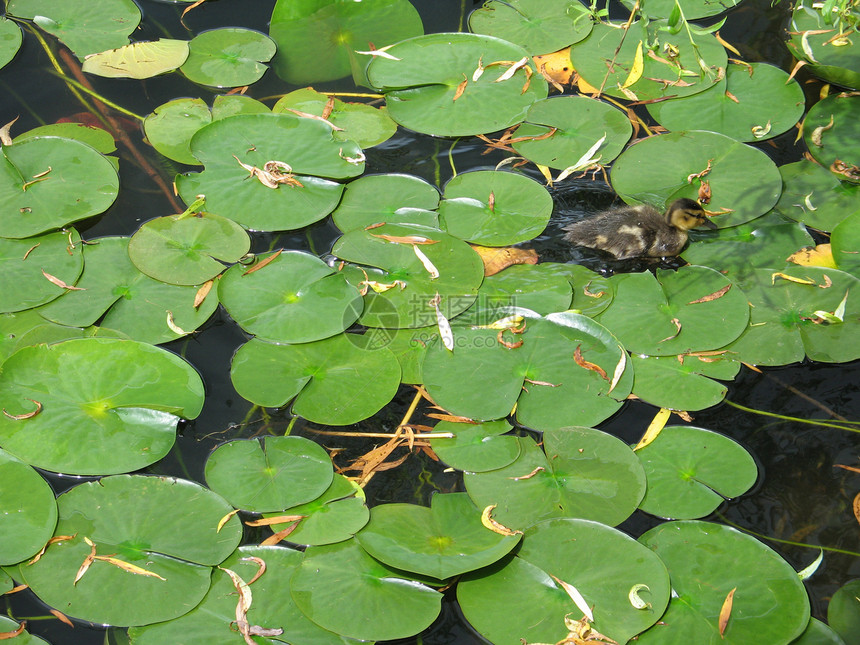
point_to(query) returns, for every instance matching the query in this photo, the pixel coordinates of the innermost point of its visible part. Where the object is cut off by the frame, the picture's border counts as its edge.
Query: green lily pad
(782, 317)
(409, 346)
(451, 97)
(667, 382)
(494, 208)
(336, 515)
(228, 57)
(329, 573)
(407, 302)
(442, 541)
(163, 525)
(318, 39)
(476, 447)
(754, 102)
(25, 637)
(84, 27)
(565, 128)
(28, 511)
(831, 131)
(272, 607)
(333, 381)
(520, 600)
(273, 475)
(187, 250)
(128, 301)
(23, 283)
(744, 183)
(539, 26)
(392, 198)
(95, 137)
(592, 292)
(811, 32)
(366, 125)
(138, 60)
(585, 473)
(817, 633)
(305, 145)
(104, 405)
(693, 9)
(843, 612)
(691, 470)
(663, 76)
(10, 41)
(172, 125)
(845, 244)
(693, 309)
(295, 298)
(770, 604)
(48, 182)
(542, 376)
(813, 195)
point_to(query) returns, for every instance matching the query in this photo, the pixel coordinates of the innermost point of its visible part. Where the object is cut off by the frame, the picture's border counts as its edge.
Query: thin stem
(794, 419)
(83, 88)
(831, 549)
(451, 158)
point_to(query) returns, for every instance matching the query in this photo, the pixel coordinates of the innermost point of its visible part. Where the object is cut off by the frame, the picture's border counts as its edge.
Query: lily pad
(585, 473)
(104, 405)
(817, 633)
(294, 298)
(476, 447)
(693, 309)
(813, 195)
(743, 182)
(333, 381)
(693, 9)
(393, 198)
(95, 137)
(138, 60)
(48, 182)
(442, 541)
(306, 146)
(366, 125)
(845, 243)
(522, 600)
(539, 26)
(318, 39)
(453, 97)
(25, 263)
(562, 129)
(494, 208)
(179, 547)
(409, 346)
(25, 637)
(843, 612)
(756, 101)
(10, 41)
(273, 475)
(691, 470)
(228, 57)
(28, 511)
(770, 604)
(329, 573)
(187, 250)
(682, 382)
(831, 131)
(592, 292)
(811, 38)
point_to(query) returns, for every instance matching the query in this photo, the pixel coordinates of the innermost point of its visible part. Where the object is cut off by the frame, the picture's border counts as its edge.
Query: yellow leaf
(496, 259)
(488, 521)
(819, 256)
(790, 278)
(726, 611)
(654, 428)
(637, 68)
(131, 568)
(138, 60)
(555, 66)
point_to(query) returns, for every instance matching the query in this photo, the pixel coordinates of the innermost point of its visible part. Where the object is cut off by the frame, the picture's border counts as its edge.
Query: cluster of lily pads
(404, 298)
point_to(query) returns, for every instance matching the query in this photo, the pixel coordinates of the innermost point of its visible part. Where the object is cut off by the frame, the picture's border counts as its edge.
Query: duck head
(685, 214)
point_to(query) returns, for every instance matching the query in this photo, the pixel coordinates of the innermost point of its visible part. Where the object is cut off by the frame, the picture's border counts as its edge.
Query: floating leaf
(28, 511)
(10, 40)
(228, 57)
(138, 60)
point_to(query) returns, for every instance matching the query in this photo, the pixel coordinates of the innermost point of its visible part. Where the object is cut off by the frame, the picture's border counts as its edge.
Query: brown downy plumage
(640, 231)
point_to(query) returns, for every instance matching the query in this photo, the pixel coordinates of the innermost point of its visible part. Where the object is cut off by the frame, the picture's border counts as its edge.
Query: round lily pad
(442, 541)
(273, 475)
(831, 131)
(28, 511)
(584, 473)
(817, 633)
(539, 26)
(27, 263)
(845, 243)
(476, 447)
(305, 145)
(48, 182)
(813, 195)
(329, 573)
(95, 405)
(494, 208)
(462, 92)
(743, 182)
(843, 612)
(393, 198)
(138, 60)
(811, 35)
(769, 604)
(560, 130)
(592, 292)
(693, 309)
(691, 470)
(682, 382)
(161, 525)
(95, 137)
(318, 41)
(187, 250)
(10, 41)
(526, 597)
(333, 381)
(755, 101)
(294, 298)
(228, 57)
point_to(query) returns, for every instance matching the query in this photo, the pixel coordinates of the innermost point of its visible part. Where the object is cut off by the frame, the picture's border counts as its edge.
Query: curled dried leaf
(577, 357)
(263, 263)
(225, 519)
(726, 611)
(488, 521)
(26, 415)
(202, 292)
(712, 296)
(55, 280)
(820, 130)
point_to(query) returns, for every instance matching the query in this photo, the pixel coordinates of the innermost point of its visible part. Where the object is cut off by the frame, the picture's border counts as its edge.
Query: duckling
(640, 231)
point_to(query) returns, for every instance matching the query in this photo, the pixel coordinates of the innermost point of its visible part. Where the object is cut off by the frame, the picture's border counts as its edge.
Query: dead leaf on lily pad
(819, 256)
(555, 67)
(496, 259)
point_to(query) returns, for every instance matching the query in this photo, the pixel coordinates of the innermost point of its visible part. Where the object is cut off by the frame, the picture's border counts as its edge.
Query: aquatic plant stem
(625, 28)
(831, 549)
(56, 65)
(451, 158)
(793, 419)
(83, 88)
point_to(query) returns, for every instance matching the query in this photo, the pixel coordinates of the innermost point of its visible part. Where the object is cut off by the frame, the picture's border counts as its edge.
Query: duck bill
(709, 224)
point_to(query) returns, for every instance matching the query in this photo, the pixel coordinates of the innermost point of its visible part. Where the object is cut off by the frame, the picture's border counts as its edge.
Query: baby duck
(640, 231)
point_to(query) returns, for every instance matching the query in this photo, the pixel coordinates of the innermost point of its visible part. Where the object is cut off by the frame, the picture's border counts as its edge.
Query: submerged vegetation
(423, 287)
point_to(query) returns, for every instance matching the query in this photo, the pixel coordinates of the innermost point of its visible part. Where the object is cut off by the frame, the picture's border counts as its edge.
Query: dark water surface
(800, 496)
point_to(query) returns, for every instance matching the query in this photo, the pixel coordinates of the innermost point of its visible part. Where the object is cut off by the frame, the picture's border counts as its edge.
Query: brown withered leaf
(87, 561)
(53, 540)
(261, 564)
(260, 265)
(677, 324)
(55, 280)
(451, 417)
(711, 296)
(280, 519)
(405, 239)
(126, 566)
(529, 476)
(704, 194)
(856, 507)
(496, 259)
(5, 636)
(202, 292)
(15, 589)
(243, 604)
(577, 357)
(726, 611)
(62, 617)
(460, 88)
(851, 468)
(26, 415)
(275, 538)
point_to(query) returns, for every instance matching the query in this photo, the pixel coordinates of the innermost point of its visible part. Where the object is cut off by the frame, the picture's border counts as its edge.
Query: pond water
(801, 497)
